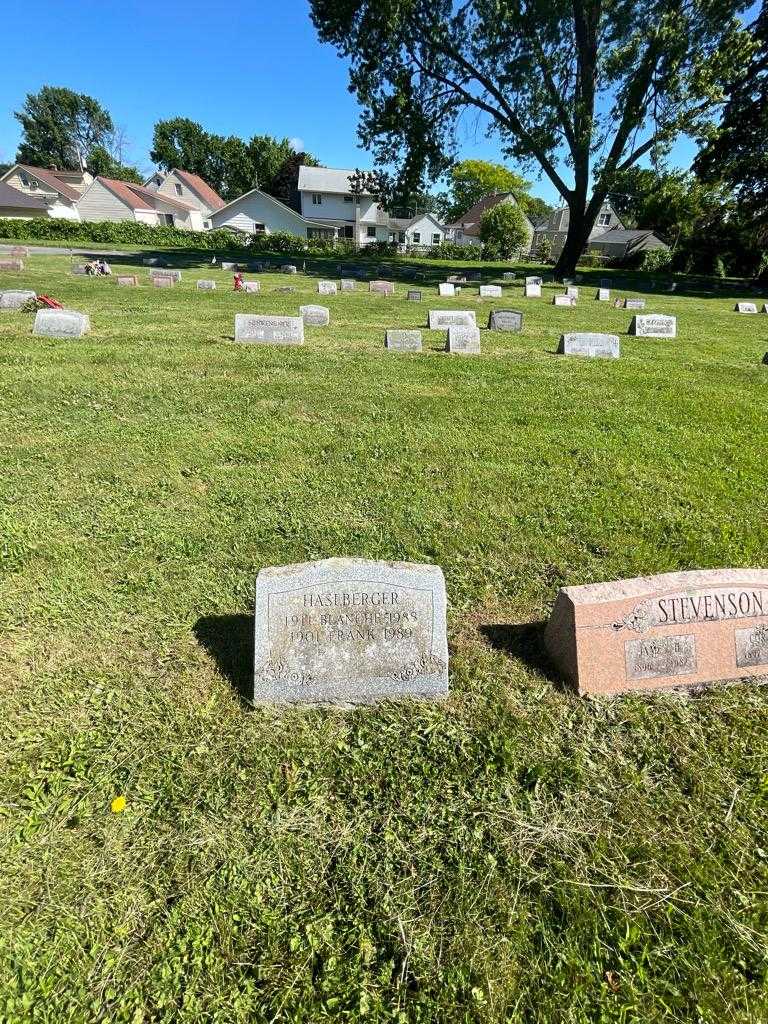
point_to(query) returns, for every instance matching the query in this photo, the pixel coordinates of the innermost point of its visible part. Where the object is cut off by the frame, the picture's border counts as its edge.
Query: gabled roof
(201, 188)
(326, 179)
(266, 195)
(470, 221)
(124, 192)
(403, 223)
(10, 196)
(627, 236)
(151, 196)
(50, 179)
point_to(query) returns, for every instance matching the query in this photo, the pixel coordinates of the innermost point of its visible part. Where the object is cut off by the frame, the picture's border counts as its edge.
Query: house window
(459, 234)
(348, 199)
(179, 190)
(259, 229)
(416, 237)
(401, 236)
(604, 220)
(348, 231)
(435, 239)
(371, 231)
(317, 199)
(206, 224)
(167, 219)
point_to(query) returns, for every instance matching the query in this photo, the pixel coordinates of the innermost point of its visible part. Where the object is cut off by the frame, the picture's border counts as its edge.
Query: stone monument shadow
(229, 641)
(525, 641)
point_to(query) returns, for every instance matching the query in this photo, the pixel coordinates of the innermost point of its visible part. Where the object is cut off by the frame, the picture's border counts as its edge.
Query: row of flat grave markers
(354, 631)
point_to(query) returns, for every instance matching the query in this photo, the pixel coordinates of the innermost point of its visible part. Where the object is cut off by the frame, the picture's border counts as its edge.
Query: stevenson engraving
(699, 606)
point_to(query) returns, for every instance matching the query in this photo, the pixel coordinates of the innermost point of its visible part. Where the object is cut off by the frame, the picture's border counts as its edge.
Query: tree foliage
(61, 128)
(503, 231)
(229, 164)
(581, 88)
(735, 152)
(101, 161)
(472, 180)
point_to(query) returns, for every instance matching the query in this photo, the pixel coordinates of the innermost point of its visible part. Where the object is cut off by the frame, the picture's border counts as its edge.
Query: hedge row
(55, 229)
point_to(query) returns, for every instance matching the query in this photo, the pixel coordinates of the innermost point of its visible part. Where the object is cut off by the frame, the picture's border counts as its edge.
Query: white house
(59, 190)
(422, 230)
(188, 188)
(466, 230)
(326, 196)
(112, 200)
(555, 227)
(257, 213)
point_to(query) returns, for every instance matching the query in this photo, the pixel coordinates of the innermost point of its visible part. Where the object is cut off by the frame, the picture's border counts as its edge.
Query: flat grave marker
(11, 264)
(403, 341)
(162, 281)
(127, 281)
(653, 325)
(16, 298)
(679, 629)
(463, 340)
(61, 323)
(582, 343)
(205, 285)
(315, 316)
(269, 330)
(505, 320)
(79, 268)
(413, 295)
(445, 318)
(349, 631)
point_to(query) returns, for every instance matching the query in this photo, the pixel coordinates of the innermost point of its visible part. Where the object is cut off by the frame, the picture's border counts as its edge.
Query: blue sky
(240, 69)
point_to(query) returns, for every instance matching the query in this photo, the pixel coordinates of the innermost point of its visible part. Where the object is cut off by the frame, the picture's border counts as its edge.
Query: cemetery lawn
(514, 854)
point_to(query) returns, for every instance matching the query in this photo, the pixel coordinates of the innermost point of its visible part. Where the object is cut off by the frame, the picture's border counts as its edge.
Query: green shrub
(544, 250)
(454, 251)
(656, 259)
(56, 229)
(504, 231)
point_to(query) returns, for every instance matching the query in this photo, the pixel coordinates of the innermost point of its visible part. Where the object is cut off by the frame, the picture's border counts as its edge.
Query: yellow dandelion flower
(118, 805)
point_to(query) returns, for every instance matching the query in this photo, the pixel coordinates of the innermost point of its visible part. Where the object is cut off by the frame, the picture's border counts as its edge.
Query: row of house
(329, 205)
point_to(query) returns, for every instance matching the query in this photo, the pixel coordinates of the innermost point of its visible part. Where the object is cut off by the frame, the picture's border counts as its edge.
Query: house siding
(60, 207)
(257, 209)
(168, 188)
(98, 203)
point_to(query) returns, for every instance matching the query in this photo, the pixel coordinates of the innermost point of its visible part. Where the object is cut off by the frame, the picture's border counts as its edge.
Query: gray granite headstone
(175, 274)
(289, 268)
(315, 316)
(16, 298)
(444, 318)
(327, 287)
(252, 287)
(269, 330)
(79, 268)
(585, 344)
(634, 304)
(603, 295)
(463, 340)
(490, 291)
(381, 287)
(505, 320)
(508, 275)
(456, 279)
(745, 307)
(532, 291)
(653, 325)
(534, 280)
(573, 291)
(206, 286)
(413, 296)
(403, 341)
(349, 631)
(61, 323)
(564, 300)
(447, 290)
(228, 266)
(347, 284)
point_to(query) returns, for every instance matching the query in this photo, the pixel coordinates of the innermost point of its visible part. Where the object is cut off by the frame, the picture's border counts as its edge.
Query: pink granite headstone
(680, 629)
(11, 264)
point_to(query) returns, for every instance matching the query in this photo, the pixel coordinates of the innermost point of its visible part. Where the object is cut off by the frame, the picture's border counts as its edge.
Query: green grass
(514, 854)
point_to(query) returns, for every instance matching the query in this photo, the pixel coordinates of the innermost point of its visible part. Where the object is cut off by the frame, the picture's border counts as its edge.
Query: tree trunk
(575, 241)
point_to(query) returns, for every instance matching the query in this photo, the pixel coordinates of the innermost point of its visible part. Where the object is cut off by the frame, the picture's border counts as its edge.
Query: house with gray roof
(59, 190)
(420, 231)
(466, 230)
(621, 243)
(555, 227)
(327, 195)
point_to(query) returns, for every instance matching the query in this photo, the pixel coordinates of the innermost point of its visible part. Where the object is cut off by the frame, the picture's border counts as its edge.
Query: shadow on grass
(229, 640)
(525, 641)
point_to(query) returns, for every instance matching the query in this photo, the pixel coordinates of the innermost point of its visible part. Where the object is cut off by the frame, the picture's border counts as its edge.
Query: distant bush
(504, 231)
(656, 259)
(454, 251)
(543, 251)
(594, 259)
(58, 229)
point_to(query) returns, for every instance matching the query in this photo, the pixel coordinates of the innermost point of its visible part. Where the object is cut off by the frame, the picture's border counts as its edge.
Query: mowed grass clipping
(514, 854)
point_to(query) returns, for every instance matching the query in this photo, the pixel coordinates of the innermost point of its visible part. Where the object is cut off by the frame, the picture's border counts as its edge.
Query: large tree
(735, 150)
(61, 128)
(230, 164)
(472, 180)
(581, 88)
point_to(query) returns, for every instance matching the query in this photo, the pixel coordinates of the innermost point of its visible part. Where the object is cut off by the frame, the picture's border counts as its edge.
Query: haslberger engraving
(752, 646)
(654, 657)
(349, 630)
